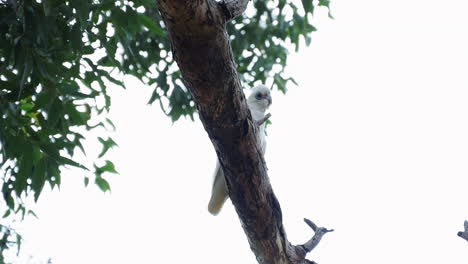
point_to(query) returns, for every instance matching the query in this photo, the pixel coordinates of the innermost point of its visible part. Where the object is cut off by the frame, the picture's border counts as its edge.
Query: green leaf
(44, 99)
(78, 118)
(308, 6)
(107, 100)
(7, 213)
(67, 161)
(69, 88)
(113, 80)
(151, 25)
(292, 80)
(31, 212)
(55, 112)
(47, 5)
(7, 196)
(106, 145)
(37, 155)
(76, 37)
(110, 123)
(102, 184)
(39, 178)
(280, 82)
(19, 239)
(28, 67)
(21, 209)
(25, 169)
(27, 107)
(53, 171)
(154, 96)
(326, 3)
(88, 50)
(109, 167)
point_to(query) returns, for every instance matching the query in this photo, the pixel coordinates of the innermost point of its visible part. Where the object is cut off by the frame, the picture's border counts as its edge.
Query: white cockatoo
(258, 101)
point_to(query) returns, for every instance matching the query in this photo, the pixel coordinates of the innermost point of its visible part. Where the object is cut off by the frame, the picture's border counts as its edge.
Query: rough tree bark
(201, 47)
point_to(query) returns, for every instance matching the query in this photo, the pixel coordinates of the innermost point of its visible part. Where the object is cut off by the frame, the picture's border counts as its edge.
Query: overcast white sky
(374, 143)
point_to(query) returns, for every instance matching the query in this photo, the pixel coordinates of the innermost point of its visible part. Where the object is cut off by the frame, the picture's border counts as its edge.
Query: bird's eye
(258, 96)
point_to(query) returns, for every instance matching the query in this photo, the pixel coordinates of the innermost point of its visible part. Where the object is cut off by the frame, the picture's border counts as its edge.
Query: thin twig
(263, 120)
(319, 233)
(464, 234)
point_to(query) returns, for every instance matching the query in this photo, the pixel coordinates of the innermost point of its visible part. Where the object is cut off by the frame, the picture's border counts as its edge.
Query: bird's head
(260, 97)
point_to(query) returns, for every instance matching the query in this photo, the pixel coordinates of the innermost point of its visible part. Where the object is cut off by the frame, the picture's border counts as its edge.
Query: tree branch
(202, 50)
(233, 8)
(464, 234)
(315, 240)
(263, 120)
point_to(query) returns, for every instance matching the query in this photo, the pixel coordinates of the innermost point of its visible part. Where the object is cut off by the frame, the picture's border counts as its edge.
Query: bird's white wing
(258, 115)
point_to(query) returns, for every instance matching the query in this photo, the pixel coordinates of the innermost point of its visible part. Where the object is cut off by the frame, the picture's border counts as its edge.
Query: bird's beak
(268, 97)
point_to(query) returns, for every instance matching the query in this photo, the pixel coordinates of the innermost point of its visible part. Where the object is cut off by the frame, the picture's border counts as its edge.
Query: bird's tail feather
(219, 192)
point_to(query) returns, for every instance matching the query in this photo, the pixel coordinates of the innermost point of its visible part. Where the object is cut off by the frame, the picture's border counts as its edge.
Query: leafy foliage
(9, 239)
(56, 63)
(261, 37)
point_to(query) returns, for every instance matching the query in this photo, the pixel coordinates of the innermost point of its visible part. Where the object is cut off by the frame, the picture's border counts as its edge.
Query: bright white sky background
(373, 143)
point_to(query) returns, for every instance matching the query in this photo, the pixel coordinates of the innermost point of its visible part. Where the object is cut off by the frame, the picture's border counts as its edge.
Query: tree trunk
(201, 48)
